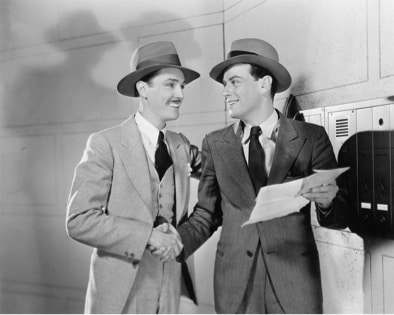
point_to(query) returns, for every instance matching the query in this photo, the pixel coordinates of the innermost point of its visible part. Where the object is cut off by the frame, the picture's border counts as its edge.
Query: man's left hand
(322, 195)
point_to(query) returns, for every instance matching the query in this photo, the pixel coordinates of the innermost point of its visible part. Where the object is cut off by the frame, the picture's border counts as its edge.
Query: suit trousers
(156, 288)
(260, 297)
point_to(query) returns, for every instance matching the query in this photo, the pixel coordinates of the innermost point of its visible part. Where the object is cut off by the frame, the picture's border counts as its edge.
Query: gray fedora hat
(254, 51)
(150, 58)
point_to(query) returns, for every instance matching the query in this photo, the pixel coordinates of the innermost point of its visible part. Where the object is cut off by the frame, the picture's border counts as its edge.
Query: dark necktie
(162, 158)
(257, 171)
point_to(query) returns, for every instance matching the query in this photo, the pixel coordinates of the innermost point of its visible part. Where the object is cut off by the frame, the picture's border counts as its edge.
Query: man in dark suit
(271, 266)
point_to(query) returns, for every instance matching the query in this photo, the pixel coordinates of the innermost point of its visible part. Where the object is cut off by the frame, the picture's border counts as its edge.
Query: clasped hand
(165, 242)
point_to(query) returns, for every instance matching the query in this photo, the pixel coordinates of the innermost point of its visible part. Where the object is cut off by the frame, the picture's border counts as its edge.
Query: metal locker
(381, 169)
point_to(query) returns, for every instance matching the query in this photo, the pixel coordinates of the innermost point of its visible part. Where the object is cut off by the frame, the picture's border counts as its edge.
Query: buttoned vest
(163, 193)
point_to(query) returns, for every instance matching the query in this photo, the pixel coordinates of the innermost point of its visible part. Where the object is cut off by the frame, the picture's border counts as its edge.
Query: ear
(265, 83)
(141, 87)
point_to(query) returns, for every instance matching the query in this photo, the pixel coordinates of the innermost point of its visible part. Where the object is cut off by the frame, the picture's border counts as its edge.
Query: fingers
(322, 194)
(159, 246)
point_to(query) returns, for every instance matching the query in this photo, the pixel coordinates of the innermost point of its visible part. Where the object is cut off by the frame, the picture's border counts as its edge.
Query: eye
(235, 82)
(170, 85)
(182, 86)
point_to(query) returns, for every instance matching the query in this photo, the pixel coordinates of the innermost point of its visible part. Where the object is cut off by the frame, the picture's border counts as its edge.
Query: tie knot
(161, 137)
(255, 131)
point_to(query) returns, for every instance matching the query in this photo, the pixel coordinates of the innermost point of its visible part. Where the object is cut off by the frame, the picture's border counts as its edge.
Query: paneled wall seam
(242, 12)
(100, 39)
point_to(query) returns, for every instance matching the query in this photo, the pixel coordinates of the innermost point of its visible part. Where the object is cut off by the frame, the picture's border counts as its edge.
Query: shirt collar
(147, 129)
(267, 127)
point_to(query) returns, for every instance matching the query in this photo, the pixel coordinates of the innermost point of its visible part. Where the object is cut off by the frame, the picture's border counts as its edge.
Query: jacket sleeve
(88, 220)
(336, 217)
(207, 215)
(195, 158)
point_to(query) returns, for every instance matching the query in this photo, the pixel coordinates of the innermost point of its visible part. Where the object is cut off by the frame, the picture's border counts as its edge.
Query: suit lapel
(231, 151)
(135, 160)
(288, 146)
(179, 160)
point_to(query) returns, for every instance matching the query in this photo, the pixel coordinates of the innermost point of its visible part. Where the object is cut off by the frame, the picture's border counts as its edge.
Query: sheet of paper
(279, 200)
(320, 177)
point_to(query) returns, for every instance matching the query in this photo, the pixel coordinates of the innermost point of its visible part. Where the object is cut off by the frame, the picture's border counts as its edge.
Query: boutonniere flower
(189, 170)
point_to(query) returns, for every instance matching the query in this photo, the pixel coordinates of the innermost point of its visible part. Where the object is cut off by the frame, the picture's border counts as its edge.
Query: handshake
(165, 242)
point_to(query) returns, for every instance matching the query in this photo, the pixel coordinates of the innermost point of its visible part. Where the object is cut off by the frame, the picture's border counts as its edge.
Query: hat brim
(126, 86)
(280, 73)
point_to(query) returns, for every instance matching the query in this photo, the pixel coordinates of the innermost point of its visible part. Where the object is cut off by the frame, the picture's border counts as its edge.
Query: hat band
(170, 59)
(235, 53)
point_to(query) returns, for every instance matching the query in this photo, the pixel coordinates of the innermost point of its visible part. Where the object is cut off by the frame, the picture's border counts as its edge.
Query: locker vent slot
(342, 127)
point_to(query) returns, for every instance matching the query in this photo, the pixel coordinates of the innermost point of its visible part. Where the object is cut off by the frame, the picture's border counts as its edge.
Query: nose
(178, 92)
(226, 91)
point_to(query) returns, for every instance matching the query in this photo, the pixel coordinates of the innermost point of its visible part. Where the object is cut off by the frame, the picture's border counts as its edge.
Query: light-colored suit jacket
(110, 207)
(226, 197)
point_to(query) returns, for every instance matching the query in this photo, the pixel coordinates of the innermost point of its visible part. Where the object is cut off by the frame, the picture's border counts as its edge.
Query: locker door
(381, 177)
(365, 169)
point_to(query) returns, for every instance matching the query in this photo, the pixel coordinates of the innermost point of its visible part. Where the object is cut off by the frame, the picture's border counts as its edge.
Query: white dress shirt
(267, 139)
(150, 135)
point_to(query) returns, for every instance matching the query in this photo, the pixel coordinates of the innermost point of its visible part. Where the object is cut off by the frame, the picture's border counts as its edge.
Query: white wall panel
(25, 23)
(229, 3)
(386, 38)
(388, 284)
(341, 292)
(28, 170)
(133, 13)
(322, 43)
(33, 249)
(25, 303)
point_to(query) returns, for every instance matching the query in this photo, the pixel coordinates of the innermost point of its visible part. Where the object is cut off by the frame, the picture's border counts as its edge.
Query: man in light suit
(272, 266)
(132, 187)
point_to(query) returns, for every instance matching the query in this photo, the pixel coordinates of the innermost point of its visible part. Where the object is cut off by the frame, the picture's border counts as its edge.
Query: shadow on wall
(391, 98)
(48, 92)
(45, 93)
(185, 43)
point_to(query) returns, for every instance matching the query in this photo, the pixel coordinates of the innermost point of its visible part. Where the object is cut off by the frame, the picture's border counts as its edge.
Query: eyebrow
(174, 80)
(231, 78)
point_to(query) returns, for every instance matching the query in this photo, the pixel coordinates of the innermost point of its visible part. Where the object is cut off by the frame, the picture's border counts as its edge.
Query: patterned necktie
(162, 159)
(257, 171)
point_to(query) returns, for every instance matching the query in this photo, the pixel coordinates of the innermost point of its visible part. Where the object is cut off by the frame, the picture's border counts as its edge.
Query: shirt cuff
(324, 211)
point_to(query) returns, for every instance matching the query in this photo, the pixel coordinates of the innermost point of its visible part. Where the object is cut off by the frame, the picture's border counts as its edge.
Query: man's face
(165, 94)
(242, 92)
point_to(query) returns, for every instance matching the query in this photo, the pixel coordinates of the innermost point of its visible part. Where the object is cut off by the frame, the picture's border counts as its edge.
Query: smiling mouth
(174, 103)
(231, 103)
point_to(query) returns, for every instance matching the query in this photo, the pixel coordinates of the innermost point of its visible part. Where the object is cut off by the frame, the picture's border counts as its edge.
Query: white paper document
(279, 200)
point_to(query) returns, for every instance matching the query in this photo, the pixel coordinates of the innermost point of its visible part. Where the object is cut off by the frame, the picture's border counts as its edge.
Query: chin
(173, 117)
(233, 115)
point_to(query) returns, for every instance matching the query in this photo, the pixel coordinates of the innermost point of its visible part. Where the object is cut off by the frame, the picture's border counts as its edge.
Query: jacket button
(249, 253)
(126, 253)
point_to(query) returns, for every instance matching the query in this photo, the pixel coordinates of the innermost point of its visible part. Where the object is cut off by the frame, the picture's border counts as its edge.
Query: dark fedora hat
(150, 58)
(254, 51)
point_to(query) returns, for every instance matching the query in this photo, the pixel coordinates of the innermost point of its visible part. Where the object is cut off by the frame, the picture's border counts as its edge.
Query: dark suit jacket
(226, 197)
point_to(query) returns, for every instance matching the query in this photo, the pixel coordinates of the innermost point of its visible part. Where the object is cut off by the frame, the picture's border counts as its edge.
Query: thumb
(163, 227)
